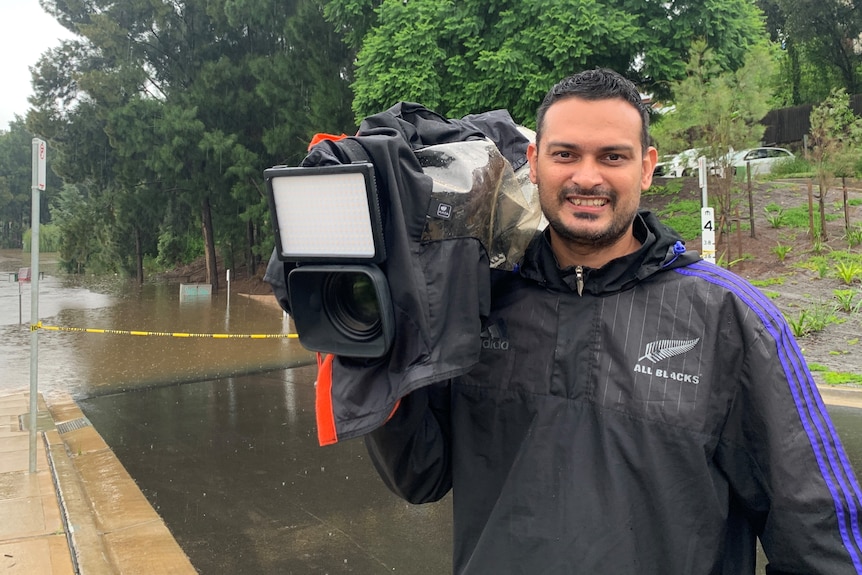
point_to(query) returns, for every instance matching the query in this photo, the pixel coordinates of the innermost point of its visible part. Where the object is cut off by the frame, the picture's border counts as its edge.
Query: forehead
(576, 120)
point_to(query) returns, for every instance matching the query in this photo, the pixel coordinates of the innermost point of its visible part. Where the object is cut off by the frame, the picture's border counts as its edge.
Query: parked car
(682, 164)
(761, 160)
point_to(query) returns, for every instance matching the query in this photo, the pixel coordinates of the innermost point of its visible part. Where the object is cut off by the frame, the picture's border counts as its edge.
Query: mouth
(588, 202)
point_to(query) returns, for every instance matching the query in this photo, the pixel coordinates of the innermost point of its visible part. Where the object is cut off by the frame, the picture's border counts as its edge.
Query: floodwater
(87, 364)
(234, 468)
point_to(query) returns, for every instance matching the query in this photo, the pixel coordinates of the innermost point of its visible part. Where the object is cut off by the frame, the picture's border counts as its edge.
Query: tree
(822, 45)
(15, 183)
(470, 56)
(836, 139)
(719, 111)
(196, 98)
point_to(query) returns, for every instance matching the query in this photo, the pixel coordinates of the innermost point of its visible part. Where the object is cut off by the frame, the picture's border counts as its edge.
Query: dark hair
(598, 84)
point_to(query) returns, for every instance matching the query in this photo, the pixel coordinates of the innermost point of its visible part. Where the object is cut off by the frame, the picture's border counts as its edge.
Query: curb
(110, 525)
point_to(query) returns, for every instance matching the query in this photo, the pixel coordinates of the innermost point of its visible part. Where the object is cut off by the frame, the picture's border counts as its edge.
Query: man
(637, 411)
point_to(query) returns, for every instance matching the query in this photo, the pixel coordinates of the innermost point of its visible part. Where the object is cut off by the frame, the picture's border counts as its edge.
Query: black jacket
(656, 424)
(441, 288)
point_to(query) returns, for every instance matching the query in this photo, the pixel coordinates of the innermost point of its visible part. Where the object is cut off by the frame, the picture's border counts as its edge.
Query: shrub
(797, 166)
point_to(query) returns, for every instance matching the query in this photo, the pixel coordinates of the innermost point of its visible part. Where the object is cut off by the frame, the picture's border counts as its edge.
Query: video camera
(327, 220)
(377, 243)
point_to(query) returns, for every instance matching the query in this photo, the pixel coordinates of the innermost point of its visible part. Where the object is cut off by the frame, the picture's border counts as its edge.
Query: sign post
(40, 152)
(707, 214)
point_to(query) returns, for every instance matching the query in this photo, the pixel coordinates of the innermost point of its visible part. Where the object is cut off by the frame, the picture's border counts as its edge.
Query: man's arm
(412, 451)
(787, 466)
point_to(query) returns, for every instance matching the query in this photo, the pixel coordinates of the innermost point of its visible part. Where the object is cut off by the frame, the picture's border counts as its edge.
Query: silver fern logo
(667, 348)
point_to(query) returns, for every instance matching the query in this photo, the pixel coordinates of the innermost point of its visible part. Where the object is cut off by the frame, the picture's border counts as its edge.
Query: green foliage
(683, 216)
(177, 250)
(669, 188)
(50, 238)
(845, 299)
(813, 319)
(819, 37)
(719, 110)
(836, 139)
(841, 377)
(797, 217)
(781, 250)
(848, 271)
(157, 109)
(774, 216)
(470, 56)
(768, 282)
(853, 236)
(796, 167)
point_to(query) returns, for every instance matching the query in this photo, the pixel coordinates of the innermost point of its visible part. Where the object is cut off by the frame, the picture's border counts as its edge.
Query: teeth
(593, 202)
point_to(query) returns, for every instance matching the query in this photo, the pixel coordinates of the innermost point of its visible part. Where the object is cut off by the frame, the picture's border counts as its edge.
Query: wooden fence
(787, 126)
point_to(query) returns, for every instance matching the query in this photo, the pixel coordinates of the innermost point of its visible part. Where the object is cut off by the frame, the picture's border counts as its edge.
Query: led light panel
(326, 213)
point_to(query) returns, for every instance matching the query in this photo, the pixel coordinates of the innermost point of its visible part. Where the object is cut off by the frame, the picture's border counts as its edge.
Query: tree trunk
(139, 257)
(209, 244)
(811, 231)
(824, 184)
(250, 250)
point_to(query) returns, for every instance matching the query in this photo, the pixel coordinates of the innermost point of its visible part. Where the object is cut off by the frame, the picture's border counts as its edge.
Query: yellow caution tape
(167, 334)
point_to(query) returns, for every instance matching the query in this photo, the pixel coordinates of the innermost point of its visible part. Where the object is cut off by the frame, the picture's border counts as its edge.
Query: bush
(798, 166)
(49, 239)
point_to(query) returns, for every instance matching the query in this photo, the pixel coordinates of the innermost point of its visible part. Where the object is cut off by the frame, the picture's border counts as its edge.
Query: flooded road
(88, 364)
(234, 469)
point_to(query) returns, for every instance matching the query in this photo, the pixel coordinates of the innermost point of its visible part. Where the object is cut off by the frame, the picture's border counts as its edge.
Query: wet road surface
(234, 469)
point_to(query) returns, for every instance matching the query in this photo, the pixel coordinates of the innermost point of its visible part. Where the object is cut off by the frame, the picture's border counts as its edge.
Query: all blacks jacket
(654, 416)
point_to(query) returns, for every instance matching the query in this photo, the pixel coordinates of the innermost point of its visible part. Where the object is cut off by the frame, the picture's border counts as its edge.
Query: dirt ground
(795, 288)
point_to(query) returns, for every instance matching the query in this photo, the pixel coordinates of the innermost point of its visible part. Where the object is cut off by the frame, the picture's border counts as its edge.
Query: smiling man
(643, 412)
(591, 162)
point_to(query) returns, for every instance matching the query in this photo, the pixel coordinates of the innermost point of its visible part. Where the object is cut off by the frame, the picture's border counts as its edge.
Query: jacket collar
(661, 248)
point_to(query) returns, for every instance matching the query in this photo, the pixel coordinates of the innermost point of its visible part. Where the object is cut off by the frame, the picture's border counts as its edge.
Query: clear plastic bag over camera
(477, 194)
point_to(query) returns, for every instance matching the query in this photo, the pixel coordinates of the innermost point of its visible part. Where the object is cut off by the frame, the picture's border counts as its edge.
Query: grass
(683, 216)
(768, 282)
(835, 377)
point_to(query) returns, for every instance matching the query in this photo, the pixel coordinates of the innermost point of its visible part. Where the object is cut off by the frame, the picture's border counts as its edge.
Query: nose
(587, 173)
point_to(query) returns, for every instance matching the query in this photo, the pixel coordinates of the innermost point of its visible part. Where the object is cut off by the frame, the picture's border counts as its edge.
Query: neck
(569, 253)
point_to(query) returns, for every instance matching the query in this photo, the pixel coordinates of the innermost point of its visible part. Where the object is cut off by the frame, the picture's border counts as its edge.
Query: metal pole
(39, 154)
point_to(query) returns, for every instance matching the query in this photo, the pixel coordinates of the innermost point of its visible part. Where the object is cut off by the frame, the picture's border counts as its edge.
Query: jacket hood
(661, 249)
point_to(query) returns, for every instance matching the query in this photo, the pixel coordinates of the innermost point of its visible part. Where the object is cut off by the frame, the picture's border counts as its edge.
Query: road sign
(40, 153)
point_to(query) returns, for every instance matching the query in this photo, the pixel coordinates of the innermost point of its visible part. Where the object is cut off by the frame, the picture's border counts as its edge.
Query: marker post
(39, 148)
(707, 215)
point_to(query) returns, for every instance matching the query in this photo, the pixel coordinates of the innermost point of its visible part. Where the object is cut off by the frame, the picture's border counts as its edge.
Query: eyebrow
(615, 148)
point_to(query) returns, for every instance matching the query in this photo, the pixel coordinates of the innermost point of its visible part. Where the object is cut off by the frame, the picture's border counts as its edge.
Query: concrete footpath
(80, 512)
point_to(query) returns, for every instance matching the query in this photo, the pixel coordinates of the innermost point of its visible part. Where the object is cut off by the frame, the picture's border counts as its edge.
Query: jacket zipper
(579, 276)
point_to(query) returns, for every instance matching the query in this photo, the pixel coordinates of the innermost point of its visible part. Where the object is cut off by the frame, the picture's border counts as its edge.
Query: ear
(649, 161)
(532, 157)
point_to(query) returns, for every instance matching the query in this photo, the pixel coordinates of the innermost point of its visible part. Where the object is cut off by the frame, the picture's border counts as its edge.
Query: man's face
(590, 171)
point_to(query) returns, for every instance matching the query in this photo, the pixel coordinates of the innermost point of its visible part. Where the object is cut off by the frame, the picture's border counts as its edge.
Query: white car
(681, 165)
(761, 160)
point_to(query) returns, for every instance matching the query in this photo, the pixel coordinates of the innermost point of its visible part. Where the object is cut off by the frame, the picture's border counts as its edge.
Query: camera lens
(350, 301)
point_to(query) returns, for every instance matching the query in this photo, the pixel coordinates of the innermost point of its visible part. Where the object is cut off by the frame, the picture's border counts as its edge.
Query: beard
(622, 217)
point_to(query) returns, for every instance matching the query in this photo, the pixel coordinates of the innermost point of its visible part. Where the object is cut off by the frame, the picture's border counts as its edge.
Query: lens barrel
(342, 309)
(350, 303)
